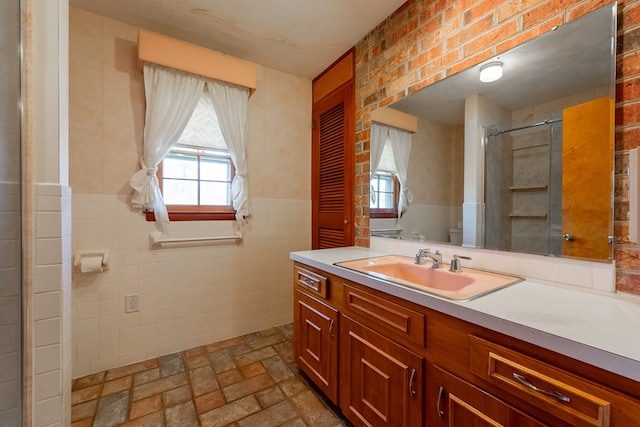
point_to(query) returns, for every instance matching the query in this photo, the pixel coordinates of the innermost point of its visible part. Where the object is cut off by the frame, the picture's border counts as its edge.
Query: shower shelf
(525, 216)
(522, 189)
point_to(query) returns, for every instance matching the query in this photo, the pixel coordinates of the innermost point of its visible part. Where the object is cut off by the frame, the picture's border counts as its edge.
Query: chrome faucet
(456, 266)
(436, 257)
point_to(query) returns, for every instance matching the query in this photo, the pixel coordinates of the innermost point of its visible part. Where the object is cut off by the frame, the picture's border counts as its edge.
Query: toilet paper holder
(80, 255)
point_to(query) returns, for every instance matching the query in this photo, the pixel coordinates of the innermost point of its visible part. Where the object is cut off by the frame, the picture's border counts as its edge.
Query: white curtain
(377, 141)
(400, 141)
(171, 97)
(230, 103)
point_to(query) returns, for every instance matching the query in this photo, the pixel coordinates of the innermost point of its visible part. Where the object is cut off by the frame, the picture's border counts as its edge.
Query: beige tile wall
(107, 116)
(188, 295)
(52, 311)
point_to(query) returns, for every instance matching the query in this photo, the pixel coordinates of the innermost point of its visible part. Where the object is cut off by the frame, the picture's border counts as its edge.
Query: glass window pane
(386, 200)
(180, 166)
(215, 193)
(374, 181)
(386, 184)
(374, 193)
(179, 192)
(215, 169)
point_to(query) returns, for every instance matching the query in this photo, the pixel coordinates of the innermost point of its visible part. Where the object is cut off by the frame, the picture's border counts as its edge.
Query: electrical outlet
(131, 303)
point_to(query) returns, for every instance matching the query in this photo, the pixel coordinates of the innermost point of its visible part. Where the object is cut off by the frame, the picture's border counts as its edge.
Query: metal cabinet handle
(308, 281)
(554, 394)
(569, 237)
(331, 328)
(412, 392)
(440, 394)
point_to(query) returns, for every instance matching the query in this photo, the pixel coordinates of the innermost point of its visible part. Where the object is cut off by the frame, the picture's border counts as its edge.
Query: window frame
(197, 212)
(386, 212)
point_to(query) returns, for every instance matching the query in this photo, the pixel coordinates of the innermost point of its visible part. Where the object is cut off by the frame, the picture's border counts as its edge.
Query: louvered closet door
(332, 172)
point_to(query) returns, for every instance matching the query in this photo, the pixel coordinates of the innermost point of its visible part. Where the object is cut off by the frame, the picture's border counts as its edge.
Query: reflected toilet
(455, 236)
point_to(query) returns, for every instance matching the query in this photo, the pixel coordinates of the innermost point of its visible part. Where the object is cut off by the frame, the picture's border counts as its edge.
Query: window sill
(196, 216)
(379, 214)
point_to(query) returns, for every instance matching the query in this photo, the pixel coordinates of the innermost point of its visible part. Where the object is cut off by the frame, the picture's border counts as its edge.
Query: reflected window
(385, 191)
(385, 187)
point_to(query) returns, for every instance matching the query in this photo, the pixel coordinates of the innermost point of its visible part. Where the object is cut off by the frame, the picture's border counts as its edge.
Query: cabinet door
(381, 382)
(453, 402)
(315, 342)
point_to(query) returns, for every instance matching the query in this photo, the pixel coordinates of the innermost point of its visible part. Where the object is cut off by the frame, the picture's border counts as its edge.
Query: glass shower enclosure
(523, 186)
(11, 331)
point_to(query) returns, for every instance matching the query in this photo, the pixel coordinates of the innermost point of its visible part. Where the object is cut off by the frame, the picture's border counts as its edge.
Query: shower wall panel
(10, 218)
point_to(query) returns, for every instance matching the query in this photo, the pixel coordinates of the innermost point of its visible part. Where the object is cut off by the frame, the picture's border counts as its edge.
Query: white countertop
(597, 328)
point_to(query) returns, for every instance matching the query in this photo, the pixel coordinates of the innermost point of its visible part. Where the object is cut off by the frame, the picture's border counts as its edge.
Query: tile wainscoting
(188, 295)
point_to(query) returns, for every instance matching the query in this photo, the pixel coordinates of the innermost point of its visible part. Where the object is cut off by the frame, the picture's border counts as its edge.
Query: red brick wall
(425, 41)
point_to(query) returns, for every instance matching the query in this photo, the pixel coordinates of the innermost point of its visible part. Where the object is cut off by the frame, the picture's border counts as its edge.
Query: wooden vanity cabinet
(381, 381)
(401, 364)
(487, 360)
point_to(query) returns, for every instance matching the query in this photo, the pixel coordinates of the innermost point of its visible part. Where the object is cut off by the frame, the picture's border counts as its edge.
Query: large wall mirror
(522, 164)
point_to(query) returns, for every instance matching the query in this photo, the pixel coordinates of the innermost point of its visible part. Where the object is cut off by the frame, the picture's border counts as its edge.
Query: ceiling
(300, 37)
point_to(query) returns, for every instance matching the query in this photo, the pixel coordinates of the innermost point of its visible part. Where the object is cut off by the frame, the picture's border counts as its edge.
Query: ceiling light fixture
(491, 72)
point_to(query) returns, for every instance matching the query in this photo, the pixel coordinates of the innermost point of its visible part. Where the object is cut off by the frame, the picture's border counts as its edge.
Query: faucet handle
(456, 266)
(419, 256)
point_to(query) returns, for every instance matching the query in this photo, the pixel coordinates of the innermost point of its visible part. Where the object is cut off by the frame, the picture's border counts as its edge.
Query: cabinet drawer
(396, 319)
(311, 282)
(453, 402)
(559, 393)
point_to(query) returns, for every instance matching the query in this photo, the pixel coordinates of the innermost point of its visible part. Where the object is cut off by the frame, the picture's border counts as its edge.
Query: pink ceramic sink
(466, 285)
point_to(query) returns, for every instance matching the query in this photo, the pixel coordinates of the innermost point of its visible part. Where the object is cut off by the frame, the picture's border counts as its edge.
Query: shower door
(10, 218)
(523, 186)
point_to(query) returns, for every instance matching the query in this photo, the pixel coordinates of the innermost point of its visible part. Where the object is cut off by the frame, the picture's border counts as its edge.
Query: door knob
(569, 237)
